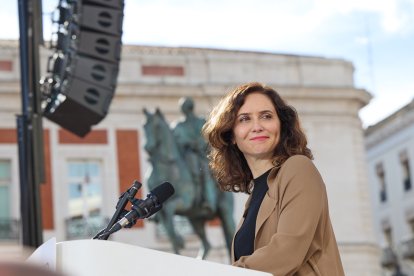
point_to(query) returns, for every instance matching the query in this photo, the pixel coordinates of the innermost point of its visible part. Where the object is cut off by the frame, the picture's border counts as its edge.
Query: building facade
(390, 153)
(84, 177)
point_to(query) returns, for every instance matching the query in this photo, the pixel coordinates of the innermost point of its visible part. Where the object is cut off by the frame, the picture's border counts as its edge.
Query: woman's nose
(257, 126)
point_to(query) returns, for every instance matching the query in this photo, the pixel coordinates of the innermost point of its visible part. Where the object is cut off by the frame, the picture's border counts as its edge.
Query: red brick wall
(128, 161)
(93, 137)
(46, 189)
(214, 222)
(6, 65)
(8, 136)
(159, 70)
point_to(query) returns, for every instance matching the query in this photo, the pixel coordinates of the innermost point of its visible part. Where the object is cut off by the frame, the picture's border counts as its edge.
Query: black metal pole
(27, 128)
(24, 54)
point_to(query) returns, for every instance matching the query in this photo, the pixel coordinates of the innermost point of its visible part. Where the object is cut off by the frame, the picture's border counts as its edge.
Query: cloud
(234, 24)
(244, 24)
(394, 15)
(9, 20)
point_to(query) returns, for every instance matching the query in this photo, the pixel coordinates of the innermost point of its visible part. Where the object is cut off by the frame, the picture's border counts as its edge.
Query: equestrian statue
(179, 155)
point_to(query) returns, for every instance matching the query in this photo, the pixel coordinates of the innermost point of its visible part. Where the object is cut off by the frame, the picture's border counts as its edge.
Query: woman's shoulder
(299, 167)
(293, 163)
(297, 173)
(297, 161)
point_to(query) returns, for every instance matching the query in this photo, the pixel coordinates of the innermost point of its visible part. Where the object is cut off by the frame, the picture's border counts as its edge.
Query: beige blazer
(293, 233)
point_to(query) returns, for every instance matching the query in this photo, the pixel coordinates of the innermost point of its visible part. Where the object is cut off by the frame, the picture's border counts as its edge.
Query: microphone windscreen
(163, 192)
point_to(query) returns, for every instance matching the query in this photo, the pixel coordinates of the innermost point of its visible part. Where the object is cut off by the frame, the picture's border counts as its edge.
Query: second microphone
(146, 208)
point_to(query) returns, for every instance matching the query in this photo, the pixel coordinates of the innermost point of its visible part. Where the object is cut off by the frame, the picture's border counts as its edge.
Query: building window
(405, 164)
(381, 179)
(411, 223)
(389, 258)
(388, 236)
(407, 245)
(8, 226)
(85, 199)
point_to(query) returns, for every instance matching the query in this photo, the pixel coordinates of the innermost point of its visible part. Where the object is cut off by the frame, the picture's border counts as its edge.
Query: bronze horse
(167, 164)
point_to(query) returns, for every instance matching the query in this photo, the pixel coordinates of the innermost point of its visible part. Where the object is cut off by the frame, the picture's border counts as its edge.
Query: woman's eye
(244, 119)
(267, 116)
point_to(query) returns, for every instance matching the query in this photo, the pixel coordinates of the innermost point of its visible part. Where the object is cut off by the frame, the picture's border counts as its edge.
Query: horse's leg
(198, 227)
(225, 213)
(228, 226)
(168, 222)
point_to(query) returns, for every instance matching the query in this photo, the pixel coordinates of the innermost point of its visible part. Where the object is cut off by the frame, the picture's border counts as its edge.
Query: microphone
(120, 208)
(145, 208)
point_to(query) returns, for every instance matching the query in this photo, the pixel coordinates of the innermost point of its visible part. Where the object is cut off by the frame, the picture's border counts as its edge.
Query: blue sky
(377, 36)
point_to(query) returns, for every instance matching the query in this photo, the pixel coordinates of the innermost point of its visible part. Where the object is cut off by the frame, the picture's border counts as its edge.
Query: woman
(258, 147)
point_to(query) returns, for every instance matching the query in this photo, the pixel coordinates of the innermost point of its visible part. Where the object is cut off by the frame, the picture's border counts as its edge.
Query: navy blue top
(244, 239)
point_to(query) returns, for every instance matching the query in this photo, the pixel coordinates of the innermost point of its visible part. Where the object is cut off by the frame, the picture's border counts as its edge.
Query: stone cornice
(9, 43)
(134, 90)
(128, 49)
(309, 101)
(165, 50)
(391, 125)
(293, 92)
(9, 87)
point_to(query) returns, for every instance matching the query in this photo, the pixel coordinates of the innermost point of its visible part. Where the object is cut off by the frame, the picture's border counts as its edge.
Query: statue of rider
(193, 148)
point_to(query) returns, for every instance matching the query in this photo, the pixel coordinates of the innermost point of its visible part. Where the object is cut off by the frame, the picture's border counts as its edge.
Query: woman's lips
(259, 138)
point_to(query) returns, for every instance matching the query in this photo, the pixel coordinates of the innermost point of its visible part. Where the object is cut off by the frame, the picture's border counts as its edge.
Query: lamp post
(29, 123)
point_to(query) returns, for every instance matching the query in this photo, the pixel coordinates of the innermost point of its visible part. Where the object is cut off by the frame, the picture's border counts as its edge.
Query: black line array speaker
(83, 70)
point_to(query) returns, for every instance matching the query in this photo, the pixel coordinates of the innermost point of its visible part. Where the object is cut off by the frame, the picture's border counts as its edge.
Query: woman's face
(257, 128)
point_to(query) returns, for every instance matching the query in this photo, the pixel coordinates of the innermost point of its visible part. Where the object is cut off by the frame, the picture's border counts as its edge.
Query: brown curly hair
(227, 162)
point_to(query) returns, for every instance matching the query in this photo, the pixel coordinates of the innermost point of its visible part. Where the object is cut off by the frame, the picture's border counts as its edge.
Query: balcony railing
(82, 228)
(9, 229)
(408, 249)
(388, 258)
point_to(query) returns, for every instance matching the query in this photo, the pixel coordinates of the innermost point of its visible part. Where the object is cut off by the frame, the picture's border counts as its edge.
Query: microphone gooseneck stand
(128, 196)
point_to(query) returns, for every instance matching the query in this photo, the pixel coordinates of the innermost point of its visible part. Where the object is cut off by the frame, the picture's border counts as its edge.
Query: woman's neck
(259, 167)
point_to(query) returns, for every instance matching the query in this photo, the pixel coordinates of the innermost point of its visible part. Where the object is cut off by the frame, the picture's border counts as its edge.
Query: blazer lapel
(268, 203)
(265, 210)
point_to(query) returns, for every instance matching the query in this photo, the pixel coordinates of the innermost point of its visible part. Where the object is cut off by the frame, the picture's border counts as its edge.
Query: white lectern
(99, 257)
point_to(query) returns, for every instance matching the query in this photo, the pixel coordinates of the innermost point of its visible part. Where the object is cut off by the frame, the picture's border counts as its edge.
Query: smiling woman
(241, 112)
(258, 147)
(257, 131)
